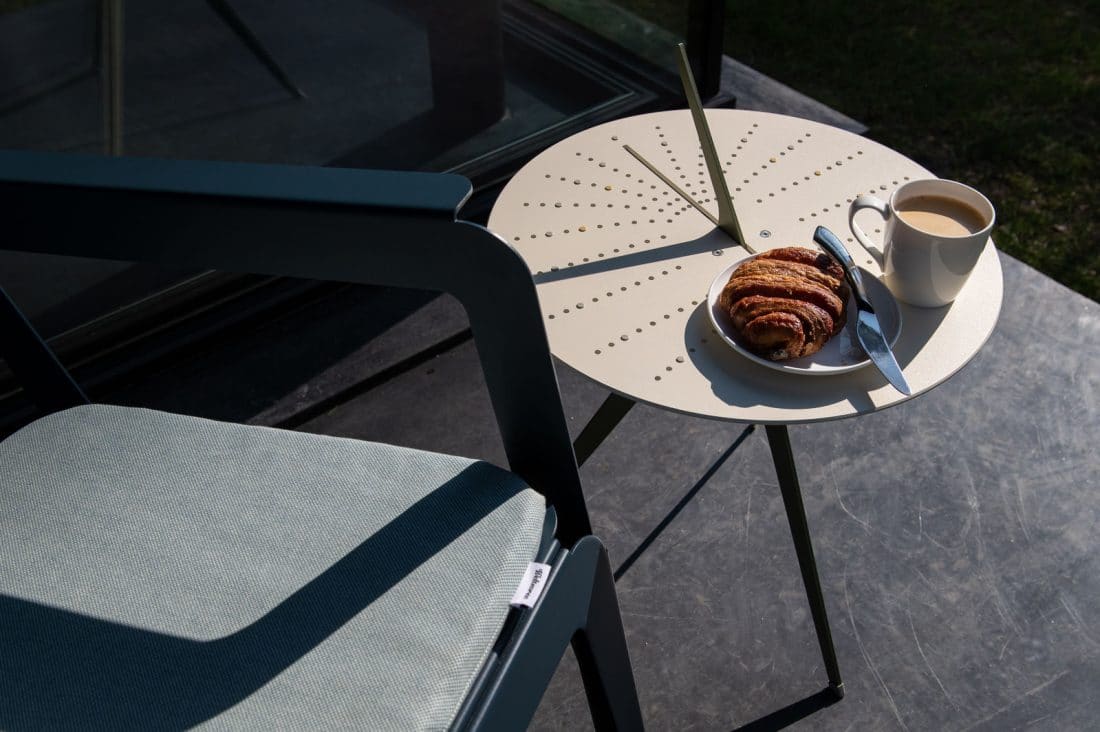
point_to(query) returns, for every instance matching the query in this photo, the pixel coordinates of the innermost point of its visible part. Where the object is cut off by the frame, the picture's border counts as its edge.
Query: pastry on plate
(786, 303)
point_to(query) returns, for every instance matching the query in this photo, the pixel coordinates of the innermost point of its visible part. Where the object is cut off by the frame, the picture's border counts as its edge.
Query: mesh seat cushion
(169, 571)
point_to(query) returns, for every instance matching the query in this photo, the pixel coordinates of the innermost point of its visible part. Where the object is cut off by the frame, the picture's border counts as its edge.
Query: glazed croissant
(786, 303)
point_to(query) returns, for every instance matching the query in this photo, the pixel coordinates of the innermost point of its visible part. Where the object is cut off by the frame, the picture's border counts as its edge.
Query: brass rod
(727, 217)
(668, 182)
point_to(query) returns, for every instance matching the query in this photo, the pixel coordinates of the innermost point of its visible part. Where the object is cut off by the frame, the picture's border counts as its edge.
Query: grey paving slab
(955, 537)
(955, 534)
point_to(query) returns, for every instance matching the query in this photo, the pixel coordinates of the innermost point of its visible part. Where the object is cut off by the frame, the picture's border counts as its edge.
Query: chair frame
(370, 227)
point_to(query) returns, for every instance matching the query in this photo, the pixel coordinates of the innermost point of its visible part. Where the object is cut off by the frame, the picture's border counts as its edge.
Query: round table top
(623, 264)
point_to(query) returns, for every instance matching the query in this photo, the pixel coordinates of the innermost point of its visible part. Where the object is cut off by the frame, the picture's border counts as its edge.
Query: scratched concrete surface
(956, 535)
(956, 538)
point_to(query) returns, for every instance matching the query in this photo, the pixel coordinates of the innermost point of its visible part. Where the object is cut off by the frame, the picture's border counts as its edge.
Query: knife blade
(868, 330)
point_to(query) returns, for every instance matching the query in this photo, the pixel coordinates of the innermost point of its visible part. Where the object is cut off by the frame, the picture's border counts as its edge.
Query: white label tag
(530, 587)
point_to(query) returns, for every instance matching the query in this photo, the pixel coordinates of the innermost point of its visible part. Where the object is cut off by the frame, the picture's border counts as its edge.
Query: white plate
(840, 354)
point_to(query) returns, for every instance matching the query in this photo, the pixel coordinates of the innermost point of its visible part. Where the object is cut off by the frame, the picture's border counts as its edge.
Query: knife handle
(829, 241)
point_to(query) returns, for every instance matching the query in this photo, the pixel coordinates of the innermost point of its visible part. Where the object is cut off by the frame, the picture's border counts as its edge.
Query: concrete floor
(955, 534)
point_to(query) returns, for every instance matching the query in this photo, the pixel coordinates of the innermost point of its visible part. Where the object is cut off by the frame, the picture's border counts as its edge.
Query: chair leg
(601, 651)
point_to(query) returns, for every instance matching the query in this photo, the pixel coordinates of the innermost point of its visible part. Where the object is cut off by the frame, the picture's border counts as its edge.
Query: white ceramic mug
(927, 266)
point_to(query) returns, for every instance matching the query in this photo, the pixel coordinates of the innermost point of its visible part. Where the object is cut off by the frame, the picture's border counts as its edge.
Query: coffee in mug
(935, 232)
(940, 216)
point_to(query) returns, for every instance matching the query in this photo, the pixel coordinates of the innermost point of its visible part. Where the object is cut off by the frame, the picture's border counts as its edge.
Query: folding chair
(162, 570)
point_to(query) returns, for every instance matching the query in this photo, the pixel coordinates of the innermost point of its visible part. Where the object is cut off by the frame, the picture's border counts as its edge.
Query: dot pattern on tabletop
(627, 253)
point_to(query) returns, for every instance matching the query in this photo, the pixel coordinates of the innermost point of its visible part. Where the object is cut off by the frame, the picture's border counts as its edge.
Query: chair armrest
(363, 226)
(380, 191)
(368, 227)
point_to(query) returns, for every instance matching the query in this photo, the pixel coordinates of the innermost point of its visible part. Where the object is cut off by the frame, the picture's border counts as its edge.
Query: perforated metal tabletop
(623, 263)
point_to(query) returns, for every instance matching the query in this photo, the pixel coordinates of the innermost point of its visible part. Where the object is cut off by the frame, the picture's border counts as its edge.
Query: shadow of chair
(163, 570)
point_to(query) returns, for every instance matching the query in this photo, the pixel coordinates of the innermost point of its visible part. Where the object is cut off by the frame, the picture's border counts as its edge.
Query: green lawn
(1000, 94)
(1004, 96)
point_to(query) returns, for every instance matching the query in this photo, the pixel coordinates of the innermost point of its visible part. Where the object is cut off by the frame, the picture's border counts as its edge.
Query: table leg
(615, 407)
(606, 418)
(780, 444)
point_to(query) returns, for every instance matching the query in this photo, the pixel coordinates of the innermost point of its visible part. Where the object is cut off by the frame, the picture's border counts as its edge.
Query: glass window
(476, 87)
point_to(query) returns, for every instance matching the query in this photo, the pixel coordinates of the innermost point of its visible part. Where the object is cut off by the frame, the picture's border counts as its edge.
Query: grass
(1003, 96)
(10, 6)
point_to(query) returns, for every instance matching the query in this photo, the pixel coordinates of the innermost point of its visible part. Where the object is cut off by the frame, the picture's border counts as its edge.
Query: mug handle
(863, 201)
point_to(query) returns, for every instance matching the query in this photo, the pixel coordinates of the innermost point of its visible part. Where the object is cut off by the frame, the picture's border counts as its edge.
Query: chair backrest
(373, 227)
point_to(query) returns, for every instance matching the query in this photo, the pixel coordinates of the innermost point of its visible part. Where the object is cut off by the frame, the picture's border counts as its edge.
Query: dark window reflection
(423, 84)
(474, 86)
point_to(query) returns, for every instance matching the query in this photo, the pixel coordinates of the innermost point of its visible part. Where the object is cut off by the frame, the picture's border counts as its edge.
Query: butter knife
(868, 330)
